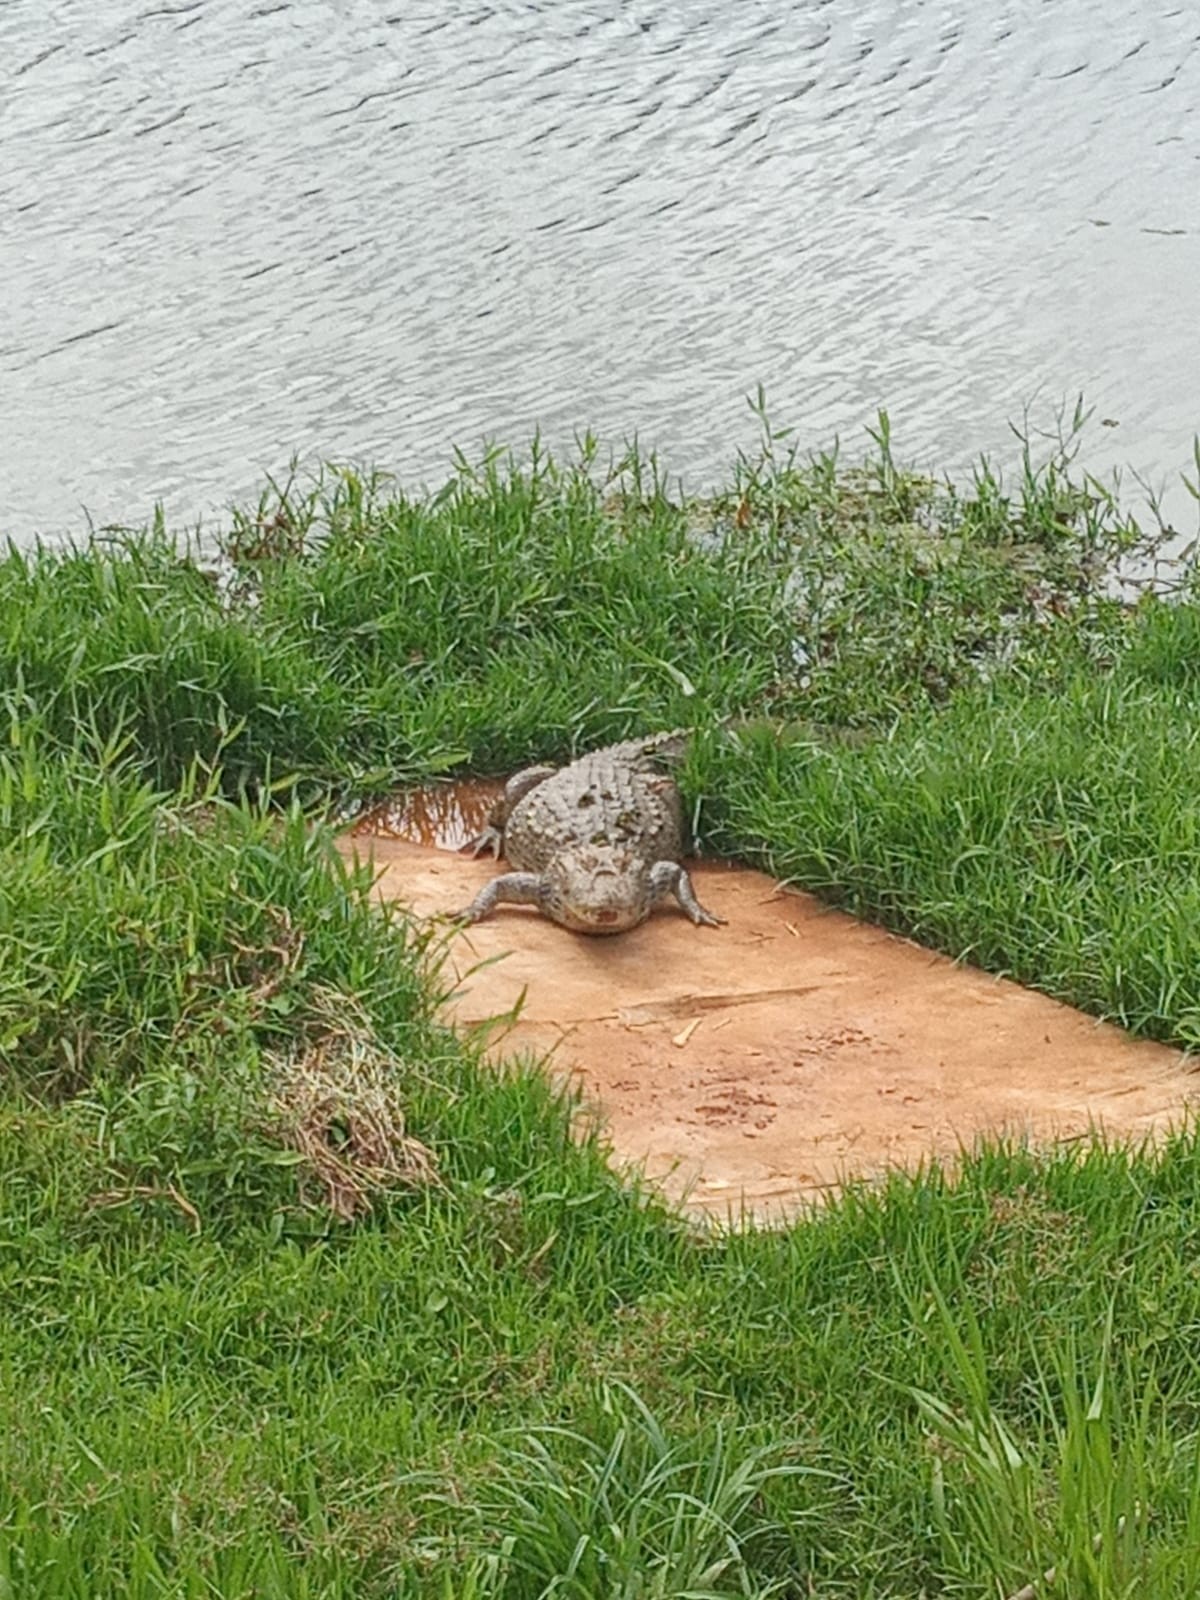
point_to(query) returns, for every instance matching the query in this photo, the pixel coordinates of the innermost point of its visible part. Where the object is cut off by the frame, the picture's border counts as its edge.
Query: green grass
(367, 1413)
(299, 1300)
(1052, 837)
(357, 636)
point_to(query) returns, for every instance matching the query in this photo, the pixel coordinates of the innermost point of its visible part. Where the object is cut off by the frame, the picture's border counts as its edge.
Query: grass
(356, 637)
(1054, 837)
(300, 1300)
(375, 1411)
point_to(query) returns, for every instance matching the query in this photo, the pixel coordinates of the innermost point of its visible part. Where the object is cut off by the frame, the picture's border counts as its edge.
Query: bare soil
(757, 1066)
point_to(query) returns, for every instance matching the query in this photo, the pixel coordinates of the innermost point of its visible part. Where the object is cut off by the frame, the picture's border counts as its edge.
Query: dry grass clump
(335, 1099)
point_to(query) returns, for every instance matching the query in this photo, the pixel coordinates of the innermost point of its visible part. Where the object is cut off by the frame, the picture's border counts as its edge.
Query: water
(234, 230)
(443, 816)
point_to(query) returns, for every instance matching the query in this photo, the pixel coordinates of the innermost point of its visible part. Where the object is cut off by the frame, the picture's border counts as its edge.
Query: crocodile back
(608, 800)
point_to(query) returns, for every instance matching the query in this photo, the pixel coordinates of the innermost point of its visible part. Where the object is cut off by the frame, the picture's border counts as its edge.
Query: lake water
(231, 231)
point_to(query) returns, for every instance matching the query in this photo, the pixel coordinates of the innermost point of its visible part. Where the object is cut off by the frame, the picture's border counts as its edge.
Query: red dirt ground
(757, 1065)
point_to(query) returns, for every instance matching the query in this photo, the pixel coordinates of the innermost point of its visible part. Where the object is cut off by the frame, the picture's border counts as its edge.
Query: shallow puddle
(441, 816)
(755, 1066)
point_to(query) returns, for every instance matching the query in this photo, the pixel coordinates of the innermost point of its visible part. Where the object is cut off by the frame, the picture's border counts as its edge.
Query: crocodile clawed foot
(492, 838)
(708, 919)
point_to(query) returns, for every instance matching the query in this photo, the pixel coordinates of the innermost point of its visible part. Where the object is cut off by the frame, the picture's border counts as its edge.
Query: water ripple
(233, 230)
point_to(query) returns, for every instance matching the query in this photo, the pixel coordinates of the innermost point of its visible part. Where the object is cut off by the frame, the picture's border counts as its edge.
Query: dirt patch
(759, 1064)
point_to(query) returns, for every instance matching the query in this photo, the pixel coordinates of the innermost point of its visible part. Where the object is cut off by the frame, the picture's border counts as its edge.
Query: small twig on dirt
(1030, 1590)
(111, 1198)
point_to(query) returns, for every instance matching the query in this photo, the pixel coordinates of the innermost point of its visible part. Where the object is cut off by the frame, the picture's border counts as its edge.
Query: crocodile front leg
(517, 787)
(668, 877)
(510, 888)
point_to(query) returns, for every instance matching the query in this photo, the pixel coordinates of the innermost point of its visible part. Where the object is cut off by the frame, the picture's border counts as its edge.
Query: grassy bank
(299, 1301)
(1053, 836)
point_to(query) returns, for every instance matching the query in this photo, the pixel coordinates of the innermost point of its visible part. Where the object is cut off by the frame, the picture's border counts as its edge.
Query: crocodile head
(597, 889)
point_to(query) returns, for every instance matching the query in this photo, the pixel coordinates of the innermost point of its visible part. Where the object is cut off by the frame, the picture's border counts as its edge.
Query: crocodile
(595, 844)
